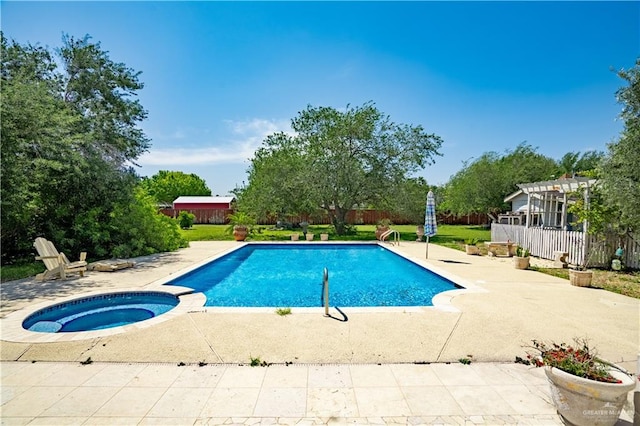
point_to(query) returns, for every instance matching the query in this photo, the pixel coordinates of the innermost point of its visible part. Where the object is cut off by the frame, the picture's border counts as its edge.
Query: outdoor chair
(57, 264)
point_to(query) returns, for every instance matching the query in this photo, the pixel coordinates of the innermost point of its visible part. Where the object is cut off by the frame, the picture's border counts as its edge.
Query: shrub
(186, 219)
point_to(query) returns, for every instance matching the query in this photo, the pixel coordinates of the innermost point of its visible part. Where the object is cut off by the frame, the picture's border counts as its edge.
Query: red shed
(200, 202)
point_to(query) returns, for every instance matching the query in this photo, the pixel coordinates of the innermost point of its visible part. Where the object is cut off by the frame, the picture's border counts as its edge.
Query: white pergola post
(528, 210)
(563, 219)
(545, 210)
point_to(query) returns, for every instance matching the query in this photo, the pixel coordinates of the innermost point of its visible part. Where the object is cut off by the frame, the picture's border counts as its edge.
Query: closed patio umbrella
(430, 225)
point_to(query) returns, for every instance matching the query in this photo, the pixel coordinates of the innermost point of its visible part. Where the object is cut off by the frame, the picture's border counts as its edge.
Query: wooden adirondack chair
(58, 265)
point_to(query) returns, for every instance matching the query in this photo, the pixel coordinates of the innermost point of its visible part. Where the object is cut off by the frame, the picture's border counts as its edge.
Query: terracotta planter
(310, 237)
(580, 278)
(240, 232)
(295, 237)
(587, 402)
(521, 262)
(471, 249)
(324, 237)
(381, 230)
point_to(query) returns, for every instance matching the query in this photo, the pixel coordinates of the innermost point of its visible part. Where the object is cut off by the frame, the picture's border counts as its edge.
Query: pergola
(552, 199)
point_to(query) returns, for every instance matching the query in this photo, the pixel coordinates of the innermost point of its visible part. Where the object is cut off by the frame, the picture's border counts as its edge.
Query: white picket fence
(543, 242)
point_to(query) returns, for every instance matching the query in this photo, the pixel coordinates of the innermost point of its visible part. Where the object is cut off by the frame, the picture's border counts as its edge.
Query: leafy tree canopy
(69, 134)
(620, 171)
(165, 186)
(336, 160)
(575, 163)
(481, 185)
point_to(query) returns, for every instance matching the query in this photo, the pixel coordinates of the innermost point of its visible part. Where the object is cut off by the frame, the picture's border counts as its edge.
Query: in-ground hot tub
(100, 311)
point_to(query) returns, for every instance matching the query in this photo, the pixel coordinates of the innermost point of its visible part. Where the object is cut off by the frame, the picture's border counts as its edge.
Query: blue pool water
(100, 312)
(290, 275)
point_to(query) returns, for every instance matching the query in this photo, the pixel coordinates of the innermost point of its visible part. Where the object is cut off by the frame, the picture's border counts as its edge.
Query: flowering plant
(579, 360)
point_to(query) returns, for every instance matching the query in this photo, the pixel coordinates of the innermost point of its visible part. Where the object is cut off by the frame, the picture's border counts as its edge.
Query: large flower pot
(240, 232)
(586, 402)
(521, 262)
(310, 237)
(295, 237)
(381, 230)
(324, 237)
(580, 278)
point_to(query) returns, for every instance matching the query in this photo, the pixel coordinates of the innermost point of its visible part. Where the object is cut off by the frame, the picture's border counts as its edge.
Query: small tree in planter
(596, 217)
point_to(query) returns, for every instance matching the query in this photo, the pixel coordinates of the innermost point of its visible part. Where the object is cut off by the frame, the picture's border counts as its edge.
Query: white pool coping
(191, 301)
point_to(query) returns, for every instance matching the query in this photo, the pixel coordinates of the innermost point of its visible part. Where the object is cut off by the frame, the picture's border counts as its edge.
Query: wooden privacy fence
(354, 217)
(470, 219)
(543, 242)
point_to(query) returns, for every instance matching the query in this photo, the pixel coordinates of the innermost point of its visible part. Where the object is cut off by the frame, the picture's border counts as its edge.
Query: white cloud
(211, 155)
(245, 138)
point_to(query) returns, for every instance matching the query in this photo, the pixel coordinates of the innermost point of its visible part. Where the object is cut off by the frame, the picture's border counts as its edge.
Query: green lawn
(448, 235)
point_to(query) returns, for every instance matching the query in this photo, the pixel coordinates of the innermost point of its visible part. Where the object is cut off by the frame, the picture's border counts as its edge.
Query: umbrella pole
(427, 252)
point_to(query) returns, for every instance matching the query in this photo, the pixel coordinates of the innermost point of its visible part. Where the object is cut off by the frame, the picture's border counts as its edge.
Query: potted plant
(585, 389)
(382, 226)
(419, 232)
(470, 246)
(521, 259)
(595, 216)
(240, 225)
(580, 277)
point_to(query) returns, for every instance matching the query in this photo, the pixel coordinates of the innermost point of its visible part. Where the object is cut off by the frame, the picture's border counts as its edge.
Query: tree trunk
(339, 220)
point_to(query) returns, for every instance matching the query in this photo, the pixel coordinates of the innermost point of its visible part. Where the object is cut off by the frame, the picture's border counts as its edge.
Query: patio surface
(379, 366)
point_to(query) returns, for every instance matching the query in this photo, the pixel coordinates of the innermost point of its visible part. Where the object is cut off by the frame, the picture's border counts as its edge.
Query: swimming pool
(290, 275)
(100, 312)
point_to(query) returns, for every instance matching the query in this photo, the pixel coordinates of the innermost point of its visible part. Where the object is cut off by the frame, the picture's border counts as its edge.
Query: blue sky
(485, 76)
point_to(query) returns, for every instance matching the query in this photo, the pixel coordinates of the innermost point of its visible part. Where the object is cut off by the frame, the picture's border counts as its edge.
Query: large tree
(69, 134)
(336, 160)
(620, 171)
(481, 185)
(165, 186)
(573, 163)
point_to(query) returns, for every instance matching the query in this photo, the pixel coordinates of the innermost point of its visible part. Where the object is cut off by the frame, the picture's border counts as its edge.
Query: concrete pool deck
(503, 310)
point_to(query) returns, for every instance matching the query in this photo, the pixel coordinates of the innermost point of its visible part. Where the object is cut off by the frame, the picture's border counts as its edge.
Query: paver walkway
(102, 393)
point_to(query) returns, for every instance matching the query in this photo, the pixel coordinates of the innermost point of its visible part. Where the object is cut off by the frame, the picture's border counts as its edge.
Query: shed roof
(203, 199)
